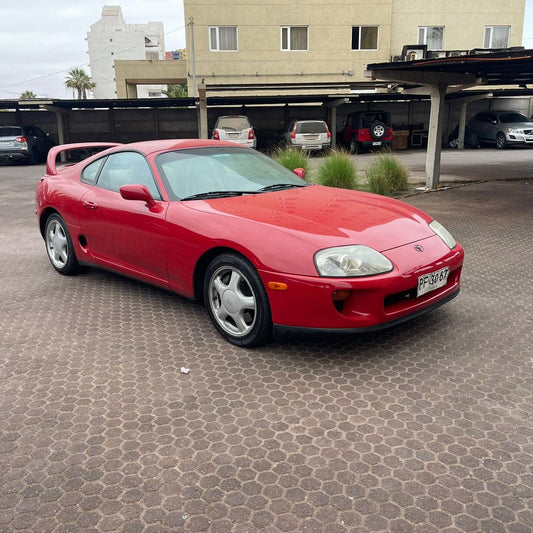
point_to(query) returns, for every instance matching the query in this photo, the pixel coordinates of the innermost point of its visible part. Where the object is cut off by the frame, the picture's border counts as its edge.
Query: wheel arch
(203, 263)
(45, 215)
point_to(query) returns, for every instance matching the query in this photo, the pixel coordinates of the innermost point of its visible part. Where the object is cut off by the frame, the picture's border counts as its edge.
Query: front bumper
(519, 138)
(373, 302)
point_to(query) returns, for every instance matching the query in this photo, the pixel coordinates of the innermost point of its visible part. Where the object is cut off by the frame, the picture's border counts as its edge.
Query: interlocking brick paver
(423, 428)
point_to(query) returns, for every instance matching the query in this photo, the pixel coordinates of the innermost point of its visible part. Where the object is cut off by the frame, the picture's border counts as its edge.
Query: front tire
(237, 302)
(59, 246)
(501, 141)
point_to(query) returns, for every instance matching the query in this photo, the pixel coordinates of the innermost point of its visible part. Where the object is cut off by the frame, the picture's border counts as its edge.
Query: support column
(438, 93)
(202, 112)
(462, 126)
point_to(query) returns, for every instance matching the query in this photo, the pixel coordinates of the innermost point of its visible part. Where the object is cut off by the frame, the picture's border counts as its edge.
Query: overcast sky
(40, 40)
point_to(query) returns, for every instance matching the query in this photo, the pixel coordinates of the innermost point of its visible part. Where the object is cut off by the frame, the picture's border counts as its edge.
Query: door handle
(89, 205)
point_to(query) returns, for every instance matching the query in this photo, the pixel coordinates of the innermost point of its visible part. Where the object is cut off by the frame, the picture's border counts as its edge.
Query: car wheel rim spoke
(57, 245)
(233, 302)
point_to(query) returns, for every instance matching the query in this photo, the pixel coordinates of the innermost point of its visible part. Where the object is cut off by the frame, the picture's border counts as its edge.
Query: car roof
(162, 145)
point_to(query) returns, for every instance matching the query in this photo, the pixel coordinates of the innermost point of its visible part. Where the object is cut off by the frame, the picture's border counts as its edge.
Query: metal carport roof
(478, 68)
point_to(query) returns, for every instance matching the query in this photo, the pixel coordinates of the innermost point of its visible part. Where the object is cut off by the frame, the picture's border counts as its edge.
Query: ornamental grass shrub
(291, 158)
(338, 170)
(386, 175)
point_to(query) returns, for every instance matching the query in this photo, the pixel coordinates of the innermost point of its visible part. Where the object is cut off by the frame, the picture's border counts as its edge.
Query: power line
(78, 66)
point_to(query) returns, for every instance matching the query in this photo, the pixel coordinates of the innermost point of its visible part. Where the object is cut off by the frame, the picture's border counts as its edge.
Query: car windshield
(10, 131)
(311, 126)
(222, 170)
(233, 123)
(509, 118)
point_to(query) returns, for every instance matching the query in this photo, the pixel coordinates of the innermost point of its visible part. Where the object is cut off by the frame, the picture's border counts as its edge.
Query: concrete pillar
(438, 93)
(202, 114)
(333, 127)
(462, 126)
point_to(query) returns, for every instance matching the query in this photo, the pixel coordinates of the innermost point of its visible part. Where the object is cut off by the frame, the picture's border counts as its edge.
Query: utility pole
(193, 58)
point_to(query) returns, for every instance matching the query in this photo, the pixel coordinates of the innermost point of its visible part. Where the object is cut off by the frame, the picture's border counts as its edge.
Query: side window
(496, 36)
(222, 38)
(90, 172)
(294, 38)
(127, 168)
(432, 36)
(365, 37)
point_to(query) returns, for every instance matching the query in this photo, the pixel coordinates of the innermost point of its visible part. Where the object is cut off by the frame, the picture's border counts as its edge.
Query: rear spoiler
(51, 160)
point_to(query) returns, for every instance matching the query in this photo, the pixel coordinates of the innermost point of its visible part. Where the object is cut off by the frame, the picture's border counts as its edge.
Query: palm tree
(80, 81)
(176, 91)
(28, 95)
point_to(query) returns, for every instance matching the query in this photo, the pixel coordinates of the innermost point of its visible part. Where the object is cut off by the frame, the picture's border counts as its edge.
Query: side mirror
(137, 192)
(300, 172)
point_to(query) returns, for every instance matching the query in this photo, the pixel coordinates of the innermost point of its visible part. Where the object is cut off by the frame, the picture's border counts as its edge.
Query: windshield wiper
(280, 186)
(216, 194)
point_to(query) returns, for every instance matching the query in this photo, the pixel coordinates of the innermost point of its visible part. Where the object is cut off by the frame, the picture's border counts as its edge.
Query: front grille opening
(392, 299)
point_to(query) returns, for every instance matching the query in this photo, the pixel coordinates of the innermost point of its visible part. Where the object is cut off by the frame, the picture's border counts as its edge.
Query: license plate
(233, 135)
(311, 137)
(312, 147)
(434, 280)
(376, 143)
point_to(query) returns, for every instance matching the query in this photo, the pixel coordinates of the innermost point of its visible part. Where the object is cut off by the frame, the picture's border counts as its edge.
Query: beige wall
(464, 21)
(259, 58)
(129, 74)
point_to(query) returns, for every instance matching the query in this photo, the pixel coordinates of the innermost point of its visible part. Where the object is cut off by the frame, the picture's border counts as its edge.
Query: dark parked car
(24, 143)
(503, 128)
(367, 129)
(470, 140)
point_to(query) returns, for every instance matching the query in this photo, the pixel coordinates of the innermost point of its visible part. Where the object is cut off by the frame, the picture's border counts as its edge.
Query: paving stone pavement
(424, 428)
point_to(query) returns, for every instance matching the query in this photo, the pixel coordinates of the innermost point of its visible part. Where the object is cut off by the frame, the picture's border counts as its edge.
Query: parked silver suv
(235, 128)
(24, 143)
(308, 135)
(504, 128)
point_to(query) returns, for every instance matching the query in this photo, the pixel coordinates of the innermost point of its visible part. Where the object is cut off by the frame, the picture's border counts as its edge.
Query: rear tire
(355, 147)
(237, 302)
(59, 246)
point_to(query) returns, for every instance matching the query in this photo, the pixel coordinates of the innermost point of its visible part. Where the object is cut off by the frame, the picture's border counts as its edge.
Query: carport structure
(445, 76)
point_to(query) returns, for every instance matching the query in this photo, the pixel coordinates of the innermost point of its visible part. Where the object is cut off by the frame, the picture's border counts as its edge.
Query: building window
(364, 37)
(151, 40)
(432, 36)
(223, 38)
(294, 38)
(496, 36)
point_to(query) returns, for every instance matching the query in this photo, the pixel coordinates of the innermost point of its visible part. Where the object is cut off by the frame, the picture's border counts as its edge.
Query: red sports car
(264, 249)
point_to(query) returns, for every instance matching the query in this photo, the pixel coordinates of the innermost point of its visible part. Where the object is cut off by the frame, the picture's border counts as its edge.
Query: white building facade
(112, 39)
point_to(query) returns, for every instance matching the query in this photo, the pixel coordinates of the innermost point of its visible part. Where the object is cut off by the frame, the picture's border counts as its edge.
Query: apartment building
(111, 39)
(261, 42)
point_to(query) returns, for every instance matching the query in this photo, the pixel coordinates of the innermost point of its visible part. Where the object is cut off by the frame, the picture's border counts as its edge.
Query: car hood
(327, 216)
(518, 125)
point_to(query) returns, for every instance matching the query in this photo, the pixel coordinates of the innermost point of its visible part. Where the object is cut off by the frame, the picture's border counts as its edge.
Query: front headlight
(513, 130)
(351, 261)
(444, 234)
